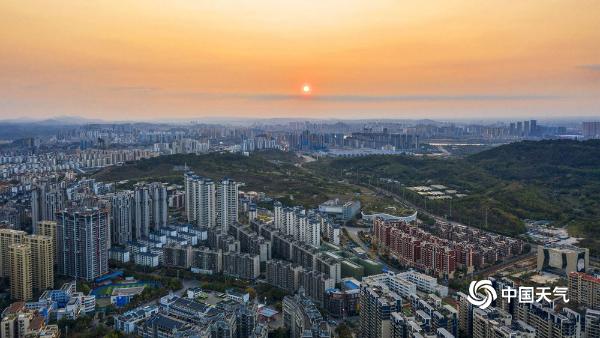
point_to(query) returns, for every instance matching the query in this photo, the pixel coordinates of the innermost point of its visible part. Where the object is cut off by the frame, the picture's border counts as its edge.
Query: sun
(306, 89)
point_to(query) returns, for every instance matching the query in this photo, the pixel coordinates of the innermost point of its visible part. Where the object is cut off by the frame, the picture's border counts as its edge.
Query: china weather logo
(482, 293)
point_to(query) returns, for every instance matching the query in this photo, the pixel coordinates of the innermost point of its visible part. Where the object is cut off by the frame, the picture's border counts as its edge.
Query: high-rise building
(246, 321)
(46, 201)
(584, 289)
(136, 213)
(302, 227)
(533, 127)
(241, 265)
(158, 193)
(8, 237)
(209, 205)
(10, 216)
(83, 237)
(36, 206)
(189, 179)
(143, 211)
(315, 284)
(519, 128)
(20, 272)
(176, 255)
(284, 275)
(549, 322)
(207, 261)
(227, 202)
(200, 200)
(47, 228)
(123, 209)
(303, 318)
(497, 323)
(486, 321)
(377, 303)
(592, 323)
(42, 261)
(465, 315)
(277, 215)
(591, 129)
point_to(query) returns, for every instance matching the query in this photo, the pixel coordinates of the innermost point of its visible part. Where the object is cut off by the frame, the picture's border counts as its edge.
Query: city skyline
(301, 169)
(145, 61)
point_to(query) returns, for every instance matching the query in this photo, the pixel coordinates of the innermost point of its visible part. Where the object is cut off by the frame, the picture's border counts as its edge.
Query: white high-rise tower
(227, 203)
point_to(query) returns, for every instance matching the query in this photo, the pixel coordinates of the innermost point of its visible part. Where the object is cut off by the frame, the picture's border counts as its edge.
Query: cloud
(466, 97)
(134, 88)
(369, 98)
(594, 67)
(340, 98)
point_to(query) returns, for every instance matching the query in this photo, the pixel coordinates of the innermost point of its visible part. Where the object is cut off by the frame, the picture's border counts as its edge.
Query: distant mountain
(57, 120)
(70, 120)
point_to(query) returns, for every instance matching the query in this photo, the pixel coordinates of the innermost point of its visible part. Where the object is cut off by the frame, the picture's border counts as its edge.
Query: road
(407, 204)
(484, 271)
(353, 234)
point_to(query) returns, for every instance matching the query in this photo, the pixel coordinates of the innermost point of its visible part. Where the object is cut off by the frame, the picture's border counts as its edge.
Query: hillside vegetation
(277, 173)
(556, 180)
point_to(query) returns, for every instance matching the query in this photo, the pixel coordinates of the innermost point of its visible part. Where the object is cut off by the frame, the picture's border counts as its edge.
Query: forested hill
(541, 159)
(554, 180)
(557, 180)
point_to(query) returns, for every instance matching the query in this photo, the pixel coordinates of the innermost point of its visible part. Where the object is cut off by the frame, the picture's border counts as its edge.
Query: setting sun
(137, 59)
(306, 89)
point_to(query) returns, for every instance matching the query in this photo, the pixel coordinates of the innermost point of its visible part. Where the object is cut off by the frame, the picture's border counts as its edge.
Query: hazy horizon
(143, 61)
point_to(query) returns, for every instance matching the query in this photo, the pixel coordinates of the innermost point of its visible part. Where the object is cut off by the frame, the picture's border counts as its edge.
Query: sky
(144, 60)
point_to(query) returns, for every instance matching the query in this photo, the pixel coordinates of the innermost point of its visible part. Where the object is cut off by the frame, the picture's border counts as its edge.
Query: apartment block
(47, 228)
(241, 265)
(8, 237)
(42, 261)
(377, 303)
(584, 289)
(83, 237)
(20, 272)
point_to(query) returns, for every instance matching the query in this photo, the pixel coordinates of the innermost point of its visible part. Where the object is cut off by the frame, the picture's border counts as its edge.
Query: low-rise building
(343, 211)
(562, 259)
(119, 254)
(424, 282)
(147, 259)
(127, 322)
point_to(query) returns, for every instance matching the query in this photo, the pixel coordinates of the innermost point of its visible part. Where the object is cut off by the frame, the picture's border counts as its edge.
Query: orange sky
(382, 58)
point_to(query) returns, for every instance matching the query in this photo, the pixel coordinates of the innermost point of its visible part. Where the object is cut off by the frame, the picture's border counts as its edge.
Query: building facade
(20, 272)
(83, 237)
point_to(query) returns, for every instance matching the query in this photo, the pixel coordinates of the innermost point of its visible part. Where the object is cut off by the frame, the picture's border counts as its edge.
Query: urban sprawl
(211, 258)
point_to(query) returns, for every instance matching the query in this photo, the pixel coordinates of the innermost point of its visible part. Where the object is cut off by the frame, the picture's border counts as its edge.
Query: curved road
(353, 234)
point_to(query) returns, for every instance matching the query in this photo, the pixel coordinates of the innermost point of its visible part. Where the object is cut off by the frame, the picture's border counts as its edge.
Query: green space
(277, 173)
(108, 290)
(274, 172)
(556, 180)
